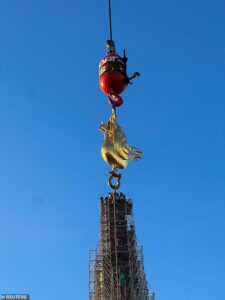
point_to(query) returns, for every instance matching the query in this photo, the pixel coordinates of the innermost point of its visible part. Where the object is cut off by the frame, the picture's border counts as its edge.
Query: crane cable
(110, 19)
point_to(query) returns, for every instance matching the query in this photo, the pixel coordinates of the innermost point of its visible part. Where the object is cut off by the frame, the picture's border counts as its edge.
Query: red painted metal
(112, 77)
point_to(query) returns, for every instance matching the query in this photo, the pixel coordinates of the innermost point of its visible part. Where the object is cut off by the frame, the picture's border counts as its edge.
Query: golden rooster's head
(103, 128)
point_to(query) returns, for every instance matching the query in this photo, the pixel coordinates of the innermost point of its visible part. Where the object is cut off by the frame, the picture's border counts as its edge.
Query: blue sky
(52, 174)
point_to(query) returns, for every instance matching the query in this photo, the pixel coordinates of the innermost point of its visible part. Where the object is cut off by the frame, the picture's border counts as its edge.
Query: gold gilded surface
(115, 149)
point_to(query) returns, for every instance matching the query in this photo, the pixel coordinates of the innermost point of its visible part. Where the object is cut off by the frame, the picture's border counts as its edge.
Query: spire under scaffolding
(116, 268)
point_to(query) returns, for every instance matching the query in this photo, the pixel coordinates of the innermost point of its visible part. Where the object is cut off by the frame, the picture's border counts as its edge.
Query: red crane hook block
(113, 77)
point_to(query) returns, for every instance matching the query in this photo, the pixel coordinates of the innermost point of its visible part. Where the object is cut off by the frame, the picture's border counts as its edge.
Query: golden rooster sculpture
(115, 150)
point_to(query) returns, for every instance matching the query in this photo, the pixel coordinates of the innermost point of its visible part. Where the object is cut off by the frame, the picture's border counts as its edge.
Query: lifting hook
(112, 175)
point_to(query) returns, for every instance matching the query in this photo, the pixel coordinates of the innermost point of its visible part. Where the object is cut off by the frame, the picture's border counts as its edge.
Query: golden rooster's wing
(120, 142)
(121, 146)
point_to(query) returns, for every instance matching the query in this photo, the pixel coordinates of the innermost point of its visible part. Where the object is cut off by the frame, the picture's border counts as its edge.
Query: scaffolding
(116, 268)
